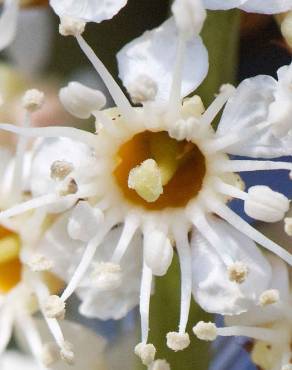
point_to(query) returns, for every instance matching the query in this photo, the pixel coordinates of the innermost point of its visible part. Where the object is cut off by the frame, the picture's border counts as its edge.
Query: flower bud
(266, 205)
(80, 100)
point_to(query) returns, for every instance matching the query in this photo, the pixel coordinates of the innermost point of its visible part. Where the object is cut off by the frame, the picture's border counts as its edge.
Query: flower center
(10, 265)
(181, 167)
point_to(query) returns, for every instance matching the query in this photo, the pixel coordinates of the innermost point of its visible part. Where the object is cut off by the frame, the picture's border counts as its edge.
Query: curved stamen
(230, 190)
(185, 260)
(114, 89)
(130, 227)
(236, 221)
(53, 131)
(264, 334)
(249, 165)
(145, 293)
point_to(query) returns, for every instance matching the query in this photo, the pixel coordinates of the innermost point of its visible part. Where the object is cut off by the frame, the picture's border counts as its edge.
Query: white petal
(84, 221)
(57, 149)
(222, 4)
(258, 315)
(154, 53)
(8, 22)
(267, 6)
(211, 286)
(88, 10)
(257, 93)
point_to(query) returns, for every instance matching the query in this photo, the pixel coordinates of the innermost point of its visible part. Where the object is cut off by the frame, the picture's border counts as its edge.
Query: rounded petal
(211, 285)
(267, 6)
(257, 93)
(153, 54)
(47, 152)
(88, 10)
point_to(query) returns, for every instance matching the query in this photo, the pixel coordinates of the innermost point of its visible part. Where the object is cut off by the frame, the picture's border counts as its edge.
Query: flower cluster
(103, 213)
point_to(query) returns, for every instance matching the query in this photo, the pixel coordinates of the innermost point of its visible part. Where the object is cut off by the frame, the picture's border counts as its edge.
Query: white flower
(197, 178)
(266, 113)
(254, 6)
(269, 324)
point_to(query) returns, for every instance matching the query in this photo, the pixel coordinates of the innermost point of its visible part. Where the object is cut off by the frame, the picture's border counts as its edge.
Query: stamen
(226, 91)
(269, 297)
(146, 180)
(61, 169)
(143, 89)
(230, 190)
(67, 354)
(33, 100)
(249, 165)
(184, 254)
(236, 221)
(107, 275)
(146, 352)
(86, 259)
(130, 226)
(205, 331)
(50, 354)
(39, 262)
(68, 187)
(71, 132)
(238, 272)
(174, 104)
(54, 308)
(145, 293)
(114, 89)
(71, 26)
(177, 341)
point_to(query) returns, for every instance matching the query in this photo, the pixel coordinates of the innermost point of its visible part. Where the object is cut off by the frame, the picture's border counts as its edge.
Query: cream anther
(67, 353)
(269, 297)
(237, 272)
(177, 341)
(160, 365)
(146, 352)
(71, 27)
(39, 262)
(205, 331)
(61, 169)
(80, 100)
(266, 205)
(54, 308)
(183, 129)
(68, 187)
(146, 180)
(50, 354)
(193, 107)
(288, 225)
(107, 275)
(189, 16)
(33, 100)
(142, 89)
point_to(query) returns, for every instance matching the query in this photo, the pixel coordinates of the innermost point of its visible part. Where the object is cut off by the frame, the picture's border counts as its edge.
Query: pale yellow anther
(269, 297)
(146, 180)
(193, 107)
(9, 248)
(237, 272)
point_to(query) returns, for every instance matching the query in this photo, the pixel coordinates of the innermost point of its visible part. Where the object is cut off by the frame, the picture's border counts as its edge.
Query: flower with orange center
(150, 181)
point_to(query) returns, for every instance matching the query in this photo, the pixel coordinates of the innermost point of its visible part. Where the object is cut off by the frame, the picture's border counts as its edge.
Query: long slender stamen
(71, 132)
(18, 175)
(114, 89)
(145, 293)
(130, 227)
(86, 259)
(223, 142)
(208, 232)
(184, 253)
(230, 190)
(236, 221)
(249, 165)
(175, 92)
(208, 116)
(31, 333)
(264, 334)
